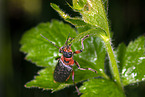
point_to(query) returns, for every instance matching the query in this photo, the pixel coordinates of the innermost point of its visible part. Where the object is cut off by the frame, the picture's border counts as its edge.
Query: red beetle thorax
(64, 59)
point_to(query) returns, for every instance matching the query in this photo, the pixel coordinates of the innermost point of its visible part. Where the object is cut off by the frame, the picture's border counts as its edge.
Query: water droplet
(143, 79)
(123, 71)
(95, 59)
(54, 54)
(59, 54)
(141, 58)
(90, 3)
(134, 67)
(134, 75)
(139, 48)
(100, 69)
(84, 88)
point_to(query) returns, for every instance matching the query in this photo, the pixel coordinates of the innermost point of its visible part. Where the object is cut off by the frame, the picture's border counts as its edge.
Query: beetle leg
(79, 51)
(67, 78)
(84, 68)
(57, 58)
(75, 83)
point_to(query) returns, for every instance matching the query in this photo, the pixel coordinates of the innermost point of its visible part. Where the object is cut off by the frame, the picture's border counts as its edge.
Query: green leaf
(82, 24)
(121, 50)
(105, 3)
(100, 88)
(79, 4)
(44, 54)
(93, 56)
(39, 50)
(132, 60)
(45, 81)
(78, 22)
(93, 13)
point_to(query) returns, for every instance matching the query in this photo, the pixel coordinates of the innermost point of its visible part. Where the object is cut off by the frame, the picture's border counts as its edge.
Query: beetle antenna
(70, 41)
(66, 43)
(49, 41)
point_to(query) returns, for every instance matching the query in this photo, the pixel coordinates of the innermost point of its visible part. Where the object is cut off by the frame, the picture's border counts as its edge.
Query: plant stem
(105, 76)
(113, 63)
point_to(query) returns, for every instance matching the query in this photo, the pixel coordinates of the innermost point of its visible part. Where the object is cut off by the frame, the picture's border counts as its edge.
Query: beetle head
(67, 52)
(66, 49)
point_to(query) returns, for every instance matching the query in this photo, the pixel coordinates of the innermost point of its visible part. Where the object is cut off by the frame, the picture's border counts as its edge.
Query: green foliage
(100, 88)
(132, 60)
(38, 49)
(81, 24)
(93, 22)
(44, 54)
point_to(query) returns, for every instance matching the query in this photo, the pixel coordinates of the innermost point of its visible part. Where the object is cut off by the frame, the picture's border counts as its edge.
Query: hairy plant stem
(113, 63)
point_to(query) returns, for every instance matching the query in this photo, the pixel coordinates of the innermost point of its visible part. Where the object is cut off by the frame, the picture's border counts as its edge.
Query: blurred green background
(127, 19)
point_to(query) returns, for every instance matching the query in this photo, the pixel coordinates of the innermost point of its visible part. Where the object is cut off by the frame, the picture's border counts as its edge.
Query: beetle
(64, 66)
